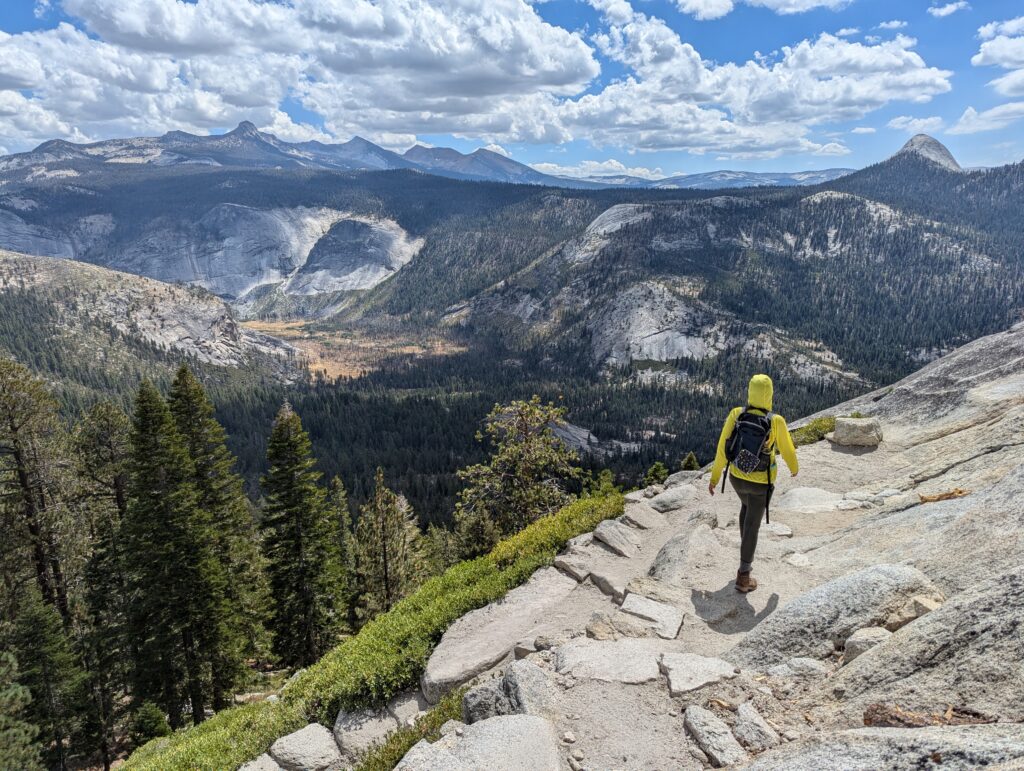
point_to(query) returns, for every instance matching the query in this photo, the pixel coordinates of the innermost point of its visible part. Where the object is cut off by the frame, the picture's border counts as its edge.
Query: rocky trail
(887, 631)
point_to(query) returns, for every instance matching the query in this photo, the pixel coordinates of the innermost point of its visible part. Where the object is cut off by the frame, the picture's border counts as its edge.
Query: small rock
(484, 701)
(797, 560)
(452, 727)
(612, 585)
(524, 648)
(579, 542)
(856, 432)
(777, 529)
(575, 765)
(714, 737)
(546, 642)
(651, 490)
(578, 755)
(309, 749)
(864, 640)
(752, 730)
(569, 737)
(688, 671)
(666, 619)
(849, 505)
(617, 537)
(573, 565)
(917, 606)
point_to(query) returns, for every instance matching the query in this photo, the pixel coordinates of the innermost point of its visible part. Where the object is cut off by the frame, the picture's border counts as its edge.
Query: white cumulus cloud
(894, 24)
(1003, 47)
(863, 130)
(941, 11)
(608, 168)
(973, 122)
(916, 125)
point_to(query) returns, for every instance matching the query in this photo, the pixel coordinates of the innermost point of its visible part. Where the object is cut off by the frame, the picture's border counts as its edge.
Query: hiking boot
(745, 582)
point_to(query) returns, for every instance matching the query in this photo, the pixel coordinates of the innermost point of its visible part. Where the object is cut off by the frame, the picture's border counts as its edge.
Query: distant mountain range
(248, 147)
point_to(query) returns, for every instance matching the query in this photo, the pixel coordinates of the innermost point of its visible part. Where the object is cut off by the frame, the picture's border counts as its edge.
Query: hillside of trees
(142, 589)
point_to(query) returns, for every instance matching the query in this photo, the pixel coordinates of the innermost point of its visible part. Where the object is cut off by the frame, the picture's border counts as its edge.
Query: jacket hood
(759, 393)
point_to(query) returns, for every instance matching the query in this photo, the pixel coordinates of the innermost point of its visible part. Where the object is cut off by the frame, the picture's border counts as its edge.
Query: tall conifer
(301, 546)
(388, 550)
(17, 737)
(235, 542)
(178, 587)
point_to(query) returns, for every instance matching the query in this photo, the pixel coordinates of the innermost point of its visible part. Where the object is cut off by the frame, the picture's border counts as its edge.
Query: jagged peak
(932, 150)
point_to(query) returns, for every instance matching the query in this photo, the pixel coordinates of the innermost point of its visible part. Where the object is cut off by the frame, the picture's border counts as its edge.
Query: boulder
(665, 619)
(856, 432)
(713, 737)
(483, 638)
(674, 498)
(864, 640)
(752, 730)
(682, 478)
(643, 518)
(670, 563)
(688, 671)
(969, 653)
(356, 732)
(263, 763)
(617, 537)
(524, 689)
(309, 749)
(484, 701)
(508, 742)
(819, 621)
(627, 660)
(959, 748)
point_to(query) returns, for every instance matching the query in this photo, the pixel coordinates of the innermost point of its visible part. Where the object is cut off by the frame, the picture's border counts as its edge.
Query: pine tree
(222, 498)
(337, 498)
(177, 617)
(389, 556)
(690, 462)
(50, 671)
(526, 478)
(102, 447)
(301, 547)
(656, 474)
(31, 441)
(18, 748)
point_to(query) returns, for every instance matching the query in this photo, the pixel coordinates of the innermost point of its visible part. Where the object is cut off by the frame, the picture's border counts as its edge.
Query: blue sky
(651, 87)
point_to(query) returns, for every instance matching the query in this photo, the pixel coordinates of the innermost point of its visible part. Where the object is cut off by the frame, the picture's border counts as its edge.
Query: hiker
(750, 438)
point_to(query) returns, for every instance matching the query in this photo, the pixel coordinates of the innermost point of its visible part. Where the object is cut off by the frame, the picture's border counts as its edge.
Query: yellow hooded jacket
(759, 396)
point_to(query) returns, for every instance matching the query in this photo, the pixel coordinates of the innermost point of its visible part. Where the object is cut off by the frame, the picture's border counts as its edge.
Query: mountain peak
(246, 128)
(931, 149)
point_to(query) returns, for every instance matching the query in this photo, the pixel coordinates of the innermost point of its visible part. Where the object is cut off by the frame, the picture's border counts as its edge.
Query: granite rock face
(818, 622)
(961, 748)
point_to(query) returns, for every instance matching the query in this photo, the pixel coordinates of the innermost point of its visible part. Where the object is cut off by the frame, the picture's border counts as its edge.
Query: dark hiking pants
(753, 501)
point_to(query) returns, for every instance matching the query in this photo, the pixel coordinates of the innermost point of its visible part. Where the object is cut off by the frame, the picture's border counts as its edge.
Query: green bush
(225, 741)
(815, 430)
(385, 757)
(388, 654)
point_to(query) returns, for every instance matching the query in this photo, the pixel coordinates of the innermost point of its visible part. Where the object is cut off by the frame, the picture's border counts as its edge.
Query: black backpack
(747, 448)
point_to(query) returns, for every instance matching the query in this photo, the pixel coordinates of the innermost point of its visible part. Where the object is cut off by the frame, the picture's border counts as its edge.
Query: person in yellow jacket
(753, 487)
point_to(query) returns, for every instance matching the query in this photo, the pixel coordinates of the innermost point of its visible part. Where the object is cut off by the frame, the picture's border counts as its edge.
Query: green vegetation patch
(386, 657)
(227, 740)
(385, 757)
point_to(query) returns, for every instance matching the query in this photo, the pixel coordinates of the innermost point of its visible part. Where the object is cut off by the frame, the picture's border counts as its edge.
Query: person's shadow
(728, 611)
